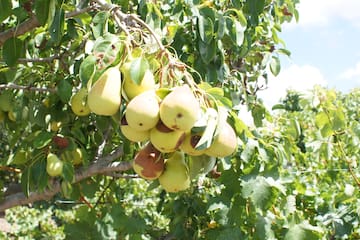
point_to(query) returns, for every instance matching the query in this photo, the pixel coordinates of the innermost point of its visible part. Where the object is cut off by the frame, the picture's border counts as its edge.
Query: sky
(325, 49)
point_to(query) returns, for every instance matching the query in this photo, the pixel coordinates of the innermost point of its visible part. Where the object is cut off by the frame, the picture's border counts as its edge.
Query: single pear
(6, 101)
(175, 177)
(13, 116)
(142, 112)
(224, 143)
(79, 104)
(148, 162)
(132, 89)
(189, 144)
(180, 109)
(54, 166)
(77, 156)
(104, 97)
(165, 139)
(55, 126)
(133, 134)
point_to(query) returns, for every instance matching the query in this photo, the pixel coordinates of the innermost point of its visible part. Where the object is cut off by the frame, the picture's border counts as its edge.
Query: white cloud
(295, 77)
(351, 73)
(321, 12)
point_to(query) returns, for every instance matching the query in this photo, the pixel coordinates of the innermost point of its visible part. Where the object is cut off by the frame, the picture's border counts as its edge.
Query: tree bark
(101, 166)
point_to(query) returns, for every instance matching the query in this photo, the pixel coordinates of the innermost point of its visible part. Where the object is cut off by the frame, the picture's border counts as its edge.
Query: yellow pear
(132, 89)
(180, 109)
(142, 112)
(189, 144)
(165, 139)
(148, 162)
(224, 143)
(54, 166)
(175, 177)
(79, 104)
(104, 97)
(133, 134)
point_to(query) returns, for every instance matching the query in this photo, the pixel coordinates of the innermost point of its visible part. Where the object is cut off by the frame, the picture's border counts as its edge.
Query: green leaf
(100, 22)
(215, 91)
(12, 51)
(338, 119)
(207, 50)
(64, 90)
(138, 68)
(321, 119)
(68, 171)
(230, 233)
(42, 139)
(211, 123)
(255, 8)
(259, 191)
(25, 181)
(57, 27)
(258, 114)
(42, 9)
(87, 69)
(278, 106)
(238, 32)
(205, 28)
(275, 65)
(5, 6)
(303, 231)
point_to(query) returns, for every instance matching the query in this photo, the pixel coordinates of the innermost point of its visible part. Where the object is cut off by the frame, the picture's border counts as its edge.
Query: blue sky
(325, 47)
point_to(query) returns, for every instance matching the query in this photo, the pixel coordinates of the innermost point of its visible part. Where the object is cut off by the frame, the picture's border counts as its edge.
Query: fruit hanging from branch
(105, 94)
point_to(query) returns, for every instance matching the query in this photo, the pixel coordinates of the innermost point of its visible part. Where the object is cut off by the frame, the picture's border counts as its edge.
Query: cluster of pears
(161, 119)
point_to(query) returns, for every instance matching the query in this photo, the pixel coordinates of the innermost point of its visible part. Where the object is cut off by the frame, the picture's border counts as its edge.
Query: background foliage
(294, 175)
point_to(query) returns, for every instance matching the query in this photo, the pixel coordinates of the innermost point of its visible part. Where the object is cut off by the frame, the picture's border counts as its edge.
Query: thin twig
(123, 17)
(27, 88)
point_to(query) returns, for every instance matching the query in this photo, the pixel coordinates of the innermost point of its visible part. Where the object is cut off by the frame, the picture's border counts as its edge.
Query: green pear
(104, 97)
(175, 177)
(148, 162)
(77, 156)
(79, 104)
(5, 101)
(54, 166)
(133, 134)
(132, 89)
(180, 109)
(13, 116)
(224, 143)
(189, 144)
(165, 139)
(142, 112)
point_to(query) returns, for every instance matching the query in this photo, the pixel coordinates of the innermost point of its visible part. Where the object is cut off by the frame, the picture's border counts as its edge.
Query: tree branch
(28, 88)
(103, 166)
(33, 23)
